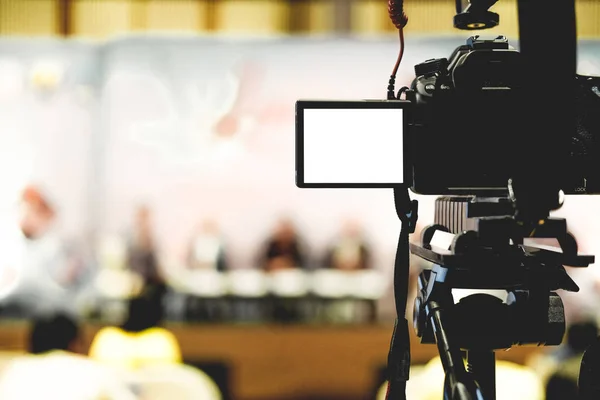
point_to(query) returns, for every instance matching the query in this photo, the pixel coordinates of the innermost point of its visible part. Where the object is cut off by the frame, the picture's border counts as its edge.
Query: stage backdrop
(199, 127)
(48, 107)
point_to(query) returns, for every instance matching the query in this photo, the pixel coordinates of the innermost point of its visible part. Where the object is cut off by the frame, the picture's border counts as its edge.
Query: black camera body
(471, 113)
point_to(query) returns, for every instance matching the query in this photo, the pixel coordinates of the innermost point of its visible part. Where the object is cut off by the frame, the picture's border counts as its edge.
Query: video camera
(502, 135)
(470, 114)
(465, 127)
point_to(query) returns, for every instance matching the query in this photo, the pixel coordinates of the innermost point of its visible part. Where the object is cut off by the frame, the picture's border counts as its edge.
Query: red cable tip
(396, 12)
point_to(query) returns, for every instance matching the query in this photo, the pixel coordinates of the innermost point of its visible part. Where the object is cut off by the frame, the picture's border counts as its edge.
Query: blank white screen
(360, 146)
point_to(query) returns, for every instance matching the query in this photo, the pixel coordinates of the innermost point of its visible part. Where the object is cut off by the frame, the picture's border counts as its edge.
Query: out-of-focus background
(151, 231)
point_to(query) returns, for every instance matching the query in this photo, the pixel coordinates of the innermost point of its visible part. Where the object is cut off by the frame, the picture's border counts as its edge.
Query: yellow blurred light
(28, 17)
(46, 75)
(260, 16)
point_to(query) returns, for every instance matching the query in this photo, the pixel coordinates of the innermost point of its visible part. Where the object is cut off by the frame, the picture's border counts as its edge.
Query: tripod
(487, 251)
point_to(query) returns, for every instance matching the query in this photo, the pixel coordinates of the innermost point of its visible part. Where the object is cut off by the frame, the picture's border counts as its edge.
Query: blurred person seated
(559, 368)
(283, 249)
(140, 341)
(207, 248)
(55, 368)
(40, 273)
(350, 251)
(513, 382)
(206, 256)
(141, 255)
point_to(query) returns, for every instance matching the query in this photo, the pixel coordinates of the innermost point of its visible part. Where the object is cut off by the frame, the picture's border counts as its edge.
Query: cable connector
(390, 89)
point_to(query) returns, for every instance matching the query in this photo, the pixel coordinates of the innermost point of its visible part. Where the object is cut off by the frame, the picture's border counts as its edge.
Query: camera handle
(399, 354)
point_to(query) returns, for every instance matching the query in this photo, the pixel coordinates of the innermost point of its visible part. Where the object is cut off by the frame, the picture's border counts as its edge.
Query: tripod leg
(482, 364)
(459, 384)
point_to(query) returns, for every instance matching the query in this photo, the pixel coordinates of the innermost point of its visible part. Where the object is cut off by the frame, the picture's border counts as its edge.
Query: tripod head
(480, 244)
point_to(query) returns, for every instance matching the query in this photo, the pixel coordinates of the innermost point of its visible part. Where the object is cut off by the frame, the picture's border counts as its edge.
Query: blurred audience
(42, 274)
(207, 248)
(350, 251)
(283, 249)
(140, 341)
(56, 369)
(142, 256)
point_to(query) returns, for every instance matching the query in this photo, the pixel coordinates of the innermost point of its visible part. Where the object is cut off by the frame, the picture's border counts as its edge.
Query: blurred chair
(288, 288)
(248, 289)
(118, 284)
(181, 382)
(206, 283)
(176, 299)
(249, 283)
(333, 289)
(205, 290)
(289, 283)
(331, 284)
(112, 253)
(207, 248)
(367, 287)
(115, 287)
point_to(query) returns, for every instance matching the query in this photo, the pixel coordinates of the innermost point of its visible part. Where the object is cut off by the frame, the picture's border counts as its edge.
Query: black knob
(429, 67)
(476, 20)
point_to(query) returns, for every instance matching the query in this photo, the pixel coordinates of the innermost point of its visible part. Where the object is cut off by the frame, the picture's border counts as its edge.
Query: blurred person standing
(207, 248)
(350, 251)
(40, 273)
(283, 249)
(56, 368)
(142, 256)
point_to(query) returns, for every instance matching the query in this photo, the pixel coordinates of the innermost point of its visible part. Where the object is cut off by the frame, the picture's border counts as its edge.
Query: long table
(285, 362)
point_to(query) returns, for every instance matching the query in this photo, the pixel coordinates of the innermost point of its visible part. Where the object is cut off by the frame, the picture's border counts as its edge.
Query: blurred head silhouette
(351, 229)
(142, 217)
(209, 227)
(143, 313)
(581, 335)
(36, 213)
(285, 231)
(143, 226)
(561, 388)
(58, 332)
